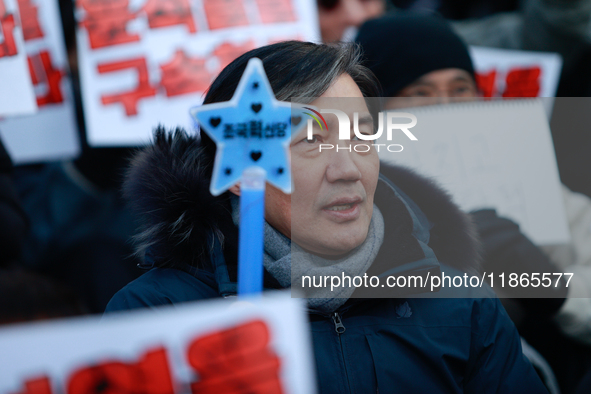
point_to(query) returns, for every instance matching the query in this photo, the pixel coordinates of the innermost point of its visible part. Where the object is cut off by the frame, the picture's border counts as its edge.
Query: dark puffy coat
(388, 345)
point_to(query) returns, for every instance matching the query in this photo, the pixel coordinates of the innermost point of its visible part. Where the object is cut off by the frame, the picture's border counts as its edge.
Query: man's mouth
(343, 204)
(342, 207)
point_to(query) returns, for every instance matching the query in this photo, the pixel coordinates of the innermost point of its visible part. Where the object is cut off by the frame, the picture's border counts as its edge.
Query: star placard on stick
(252, 129)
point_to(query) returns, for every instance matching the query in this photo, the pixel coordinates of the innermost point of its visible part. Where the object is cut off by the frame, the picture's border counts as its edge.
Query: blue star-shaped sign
(252, 129)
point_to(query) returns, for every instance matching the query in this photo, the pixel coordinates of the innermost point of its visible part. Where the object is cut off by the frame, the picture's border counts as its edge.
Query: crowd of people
(66, 230)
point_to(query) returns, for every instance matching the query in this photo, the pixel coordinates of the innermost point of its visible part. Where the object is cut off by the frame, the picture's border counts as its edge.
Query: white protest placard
(514, 73)
(204, 347)
(16, 90)
(51, 133)
(146, 62)
(491, 154)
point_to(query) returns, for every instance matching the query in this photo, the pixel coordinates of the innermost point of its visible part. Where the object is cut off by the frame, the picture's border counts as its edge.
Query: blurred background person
(560, 26)
(419, 60)
(24, 294)
(336, 17)
(13, 219)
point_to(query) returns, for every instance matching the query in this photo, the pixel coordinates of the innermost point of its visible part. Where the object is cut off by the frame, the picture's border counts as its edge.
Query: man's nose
(443, 98)
(342, 166)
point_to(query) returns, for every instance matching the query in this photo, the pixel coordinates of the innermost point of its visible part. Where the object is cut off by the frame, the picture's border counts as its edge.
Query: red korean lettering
(43, 72)
(486, 83)
(225, 13)
(106, 22)
(129, 99)
(235, 361)
(37, 386)
(163, 13)
(523, 82)
(228, 52)
(8, 46)
(29, 14)
(184, 75)
(275, 11)
(150, 375)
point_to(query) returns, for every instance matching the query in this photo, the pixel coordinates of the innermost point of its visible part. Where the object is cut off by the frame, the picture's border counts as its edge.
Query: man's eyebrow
(421, 82)
(462, 78)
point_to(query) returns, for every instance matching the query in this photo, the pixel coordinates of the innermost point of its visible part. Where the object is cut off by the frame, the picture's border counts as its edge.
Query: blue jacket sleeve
(499, 365)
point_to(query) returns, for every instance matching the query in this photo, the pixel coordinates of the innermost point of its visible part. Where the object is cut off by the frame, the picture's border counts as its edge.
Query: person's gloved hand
(506, 249)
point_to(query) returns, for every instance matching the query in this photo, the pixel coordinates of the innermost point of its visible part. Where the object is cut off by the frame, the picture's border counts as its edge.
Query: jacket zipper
(338, 323)
(339, 327)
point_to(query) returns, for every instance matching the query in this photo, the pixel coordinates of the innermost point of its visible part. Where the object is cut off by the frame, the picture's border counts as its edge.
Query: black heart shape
(215, 121)
(295, 120)
(256, 107)
(255, 155)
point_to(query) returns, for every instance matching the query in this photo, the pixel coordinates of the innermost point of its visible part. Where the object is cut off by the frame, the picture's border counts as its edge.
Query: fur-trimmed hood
(167, 184)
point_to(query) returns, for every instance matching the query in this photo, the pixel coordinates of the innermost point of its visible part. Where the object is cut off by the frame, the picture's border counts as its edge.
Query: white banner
(51, 133)
(16, 90)
(212, 347)
(146, 62)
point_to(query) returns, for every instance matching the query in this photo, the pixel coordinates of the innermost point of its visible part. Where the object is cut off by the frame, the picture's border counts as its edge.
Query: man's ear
(235, 189)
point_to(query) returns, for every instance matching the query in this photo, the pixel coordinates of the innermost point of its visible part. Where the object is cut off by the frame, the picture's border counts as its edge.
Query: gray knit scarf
(288, 263)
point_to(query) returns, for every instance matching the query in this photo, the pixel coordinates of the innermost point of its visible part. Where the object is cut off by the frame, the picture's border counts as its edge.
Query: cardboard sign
(16, 89)
(512, 73)
(146, 62)
(50, 134)
(492, 154)
(212, 347)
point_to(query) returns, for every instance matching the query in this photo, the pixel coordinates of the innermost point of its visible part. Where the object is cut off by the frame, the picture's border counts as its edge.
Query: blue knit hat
(402, 47)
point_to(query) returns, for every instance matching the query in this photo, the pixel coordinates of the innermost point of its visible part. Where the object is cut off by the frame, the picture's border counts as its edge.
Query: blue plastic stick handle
(251, 233)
